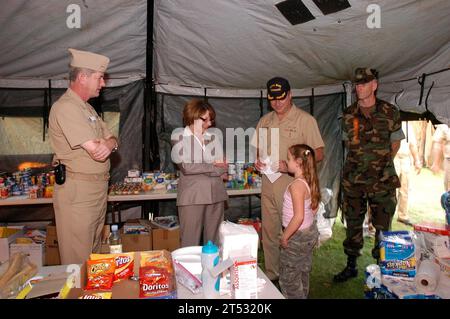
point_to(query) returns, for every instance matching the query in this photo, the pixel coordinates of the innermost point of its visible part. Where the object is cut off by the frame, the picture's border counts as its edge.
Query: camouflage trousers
(382, 209)
(296, 263)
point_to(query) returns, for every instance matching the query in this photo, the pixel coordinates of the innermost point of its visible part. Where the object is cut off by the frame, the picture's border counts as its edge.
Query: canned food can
(4, 192)
(52, 179)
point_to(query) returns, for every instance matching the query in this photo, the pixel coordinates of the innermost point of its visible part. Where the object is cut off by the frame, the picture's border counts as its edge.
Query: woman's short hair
(194, 109)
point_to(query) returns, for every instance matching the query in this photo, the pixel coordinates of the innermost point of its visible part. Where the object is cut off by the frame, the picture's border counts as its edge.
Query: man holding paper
(276, 131)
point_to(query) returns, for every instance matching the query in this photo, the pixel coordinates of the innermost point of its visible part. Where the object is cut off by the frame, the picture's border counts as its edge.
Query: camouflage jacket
(369, 164)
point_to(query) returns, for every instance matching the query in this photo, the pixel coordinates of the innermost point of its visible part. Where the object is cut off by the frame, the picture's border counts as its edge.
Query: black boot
(349, 271)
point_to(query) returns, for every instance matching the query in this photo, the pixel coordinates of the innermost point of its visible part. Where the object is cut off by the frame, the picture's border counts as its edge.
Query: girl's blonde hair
(307, 160)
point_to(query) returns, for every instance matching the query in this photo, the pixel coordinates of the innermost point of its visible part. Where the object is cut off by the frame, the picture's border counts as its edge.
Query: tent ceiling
(240, 44)
(34, 39)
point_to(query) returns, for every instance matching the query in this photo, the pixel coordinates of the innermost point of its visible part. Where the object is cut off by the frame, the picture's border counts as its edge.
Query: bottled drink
(115, 243)
(210, 258)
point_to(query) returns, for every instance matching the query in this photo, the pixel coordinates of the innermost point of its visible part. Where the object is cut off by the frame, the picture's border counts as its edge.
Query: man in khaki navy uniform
(441, 150)
(295, 127)
(82, 142)
(408, 151)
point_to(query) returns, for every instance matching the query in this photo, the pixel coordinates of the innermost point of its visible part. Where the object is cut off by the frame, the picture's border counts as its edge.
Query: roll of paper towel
(427, 277)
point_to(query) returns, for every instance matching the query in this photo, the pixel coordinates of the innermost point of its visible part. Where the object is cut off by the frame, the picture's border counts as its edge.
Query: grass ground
(425, 192)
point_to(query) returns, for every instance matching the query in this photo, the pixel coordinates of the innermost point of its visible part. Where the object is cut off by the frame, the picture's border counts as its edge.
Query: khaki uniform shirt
(297, 127)
(73, 122)
(442, 135)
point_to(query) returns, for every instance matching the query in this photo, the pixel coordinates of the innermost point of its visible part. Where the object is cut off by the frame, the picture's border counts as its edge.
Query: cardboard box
(166, 239)
(130, 242)
(7, 236)
(137, 242)
(244, 278)
(51, 247)
(124, 289)
(162, 239)
(35, 252)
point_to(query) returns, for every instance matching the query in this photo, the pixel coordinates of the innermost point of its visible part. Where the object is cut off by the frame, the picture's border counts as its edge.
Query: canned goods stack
(26, 183)
(240, 171)
(242, 175)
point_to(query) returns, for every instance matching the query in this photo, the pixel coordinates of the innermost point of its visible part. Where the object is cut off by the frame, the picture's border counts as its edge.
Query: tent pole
(150, 147)
(44, 114)
(261, 103)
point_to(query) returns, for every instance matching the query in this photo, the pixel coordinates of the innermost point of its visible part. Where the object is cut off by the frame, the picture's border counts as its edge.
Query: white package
(244, 279)
(238, 240)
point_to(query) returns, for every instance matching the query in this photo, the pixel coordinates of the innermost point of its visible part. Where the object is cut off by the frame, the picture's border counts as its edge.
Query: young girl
(300, 233)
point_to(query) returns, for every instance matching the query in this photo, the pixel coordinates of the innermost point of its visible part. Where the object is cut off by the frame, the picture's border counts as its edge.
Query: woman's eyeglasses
(206, 120)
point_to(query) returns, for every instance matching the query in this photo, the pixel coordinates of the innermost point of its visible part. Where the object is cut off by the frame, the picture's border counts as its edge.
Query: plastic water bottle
(210, 258)
(115, 243)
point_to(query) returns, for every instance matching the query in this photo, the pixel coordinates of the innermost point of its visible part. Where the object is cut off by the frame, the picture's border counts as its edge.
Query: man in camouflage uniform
(372, 132)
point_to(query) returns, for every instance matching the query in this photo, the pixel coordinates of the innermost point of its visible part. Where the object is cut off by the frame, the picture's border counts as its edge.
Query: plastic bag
(18, 270)
(324, 225)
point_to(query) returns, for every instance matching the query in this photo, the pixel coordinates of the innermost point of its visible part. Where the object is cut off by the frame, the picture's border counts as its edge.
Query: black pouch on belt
(60, 173)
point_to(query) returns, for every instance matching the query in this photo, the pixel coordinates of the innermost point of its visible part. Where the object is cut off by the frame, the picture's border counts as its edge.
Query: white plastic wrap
(325, 225)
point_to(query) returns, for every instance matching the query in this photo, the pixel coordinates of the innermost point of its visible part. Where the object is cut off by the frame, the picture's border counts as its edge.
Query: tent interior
(165, 52)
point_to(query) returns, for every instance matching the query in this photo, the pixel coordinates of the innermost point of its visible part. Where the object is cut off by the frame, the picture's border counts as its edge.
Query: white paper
(270, 170)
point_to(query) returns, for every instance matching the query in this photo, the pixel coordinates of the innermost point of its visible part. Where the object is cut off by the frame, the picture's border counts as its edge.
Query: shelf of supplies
(152, 195)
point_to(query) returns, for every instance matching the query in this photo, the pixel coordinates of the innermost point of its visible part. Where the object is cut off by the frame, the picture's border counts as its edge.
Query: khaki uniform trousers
(80, 208)
(271, 213)
(447, 174)
(403, 169)
(197, 218)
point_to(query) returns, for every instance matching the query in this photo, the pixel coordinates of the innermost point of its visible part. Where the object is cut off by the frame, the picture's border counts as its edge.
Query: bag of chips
(124, 264)
(100, 274)
(156, 276)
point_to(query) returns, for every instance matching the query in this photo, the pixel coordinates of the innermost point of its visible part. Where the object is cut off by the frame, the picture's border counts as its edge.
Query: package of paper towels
(238, 240)
(427, 277)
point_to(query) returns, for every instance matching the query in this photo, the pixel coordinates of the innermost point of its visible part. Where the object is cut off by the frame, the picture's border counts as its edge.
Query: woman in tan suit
(201, 191)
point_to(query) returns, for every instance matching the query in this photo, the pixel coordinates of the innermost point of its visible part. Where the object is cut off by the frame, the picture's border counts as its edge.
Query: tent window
(23, 135)
(295, 11)
(331, 6)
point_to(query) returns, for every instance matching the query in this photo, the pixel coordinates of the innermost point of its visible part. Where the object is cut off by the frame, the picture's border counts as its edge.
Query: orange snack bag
(97, 295)
(156, 277)
(124, 264)
(100, 274)
(155, 258)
